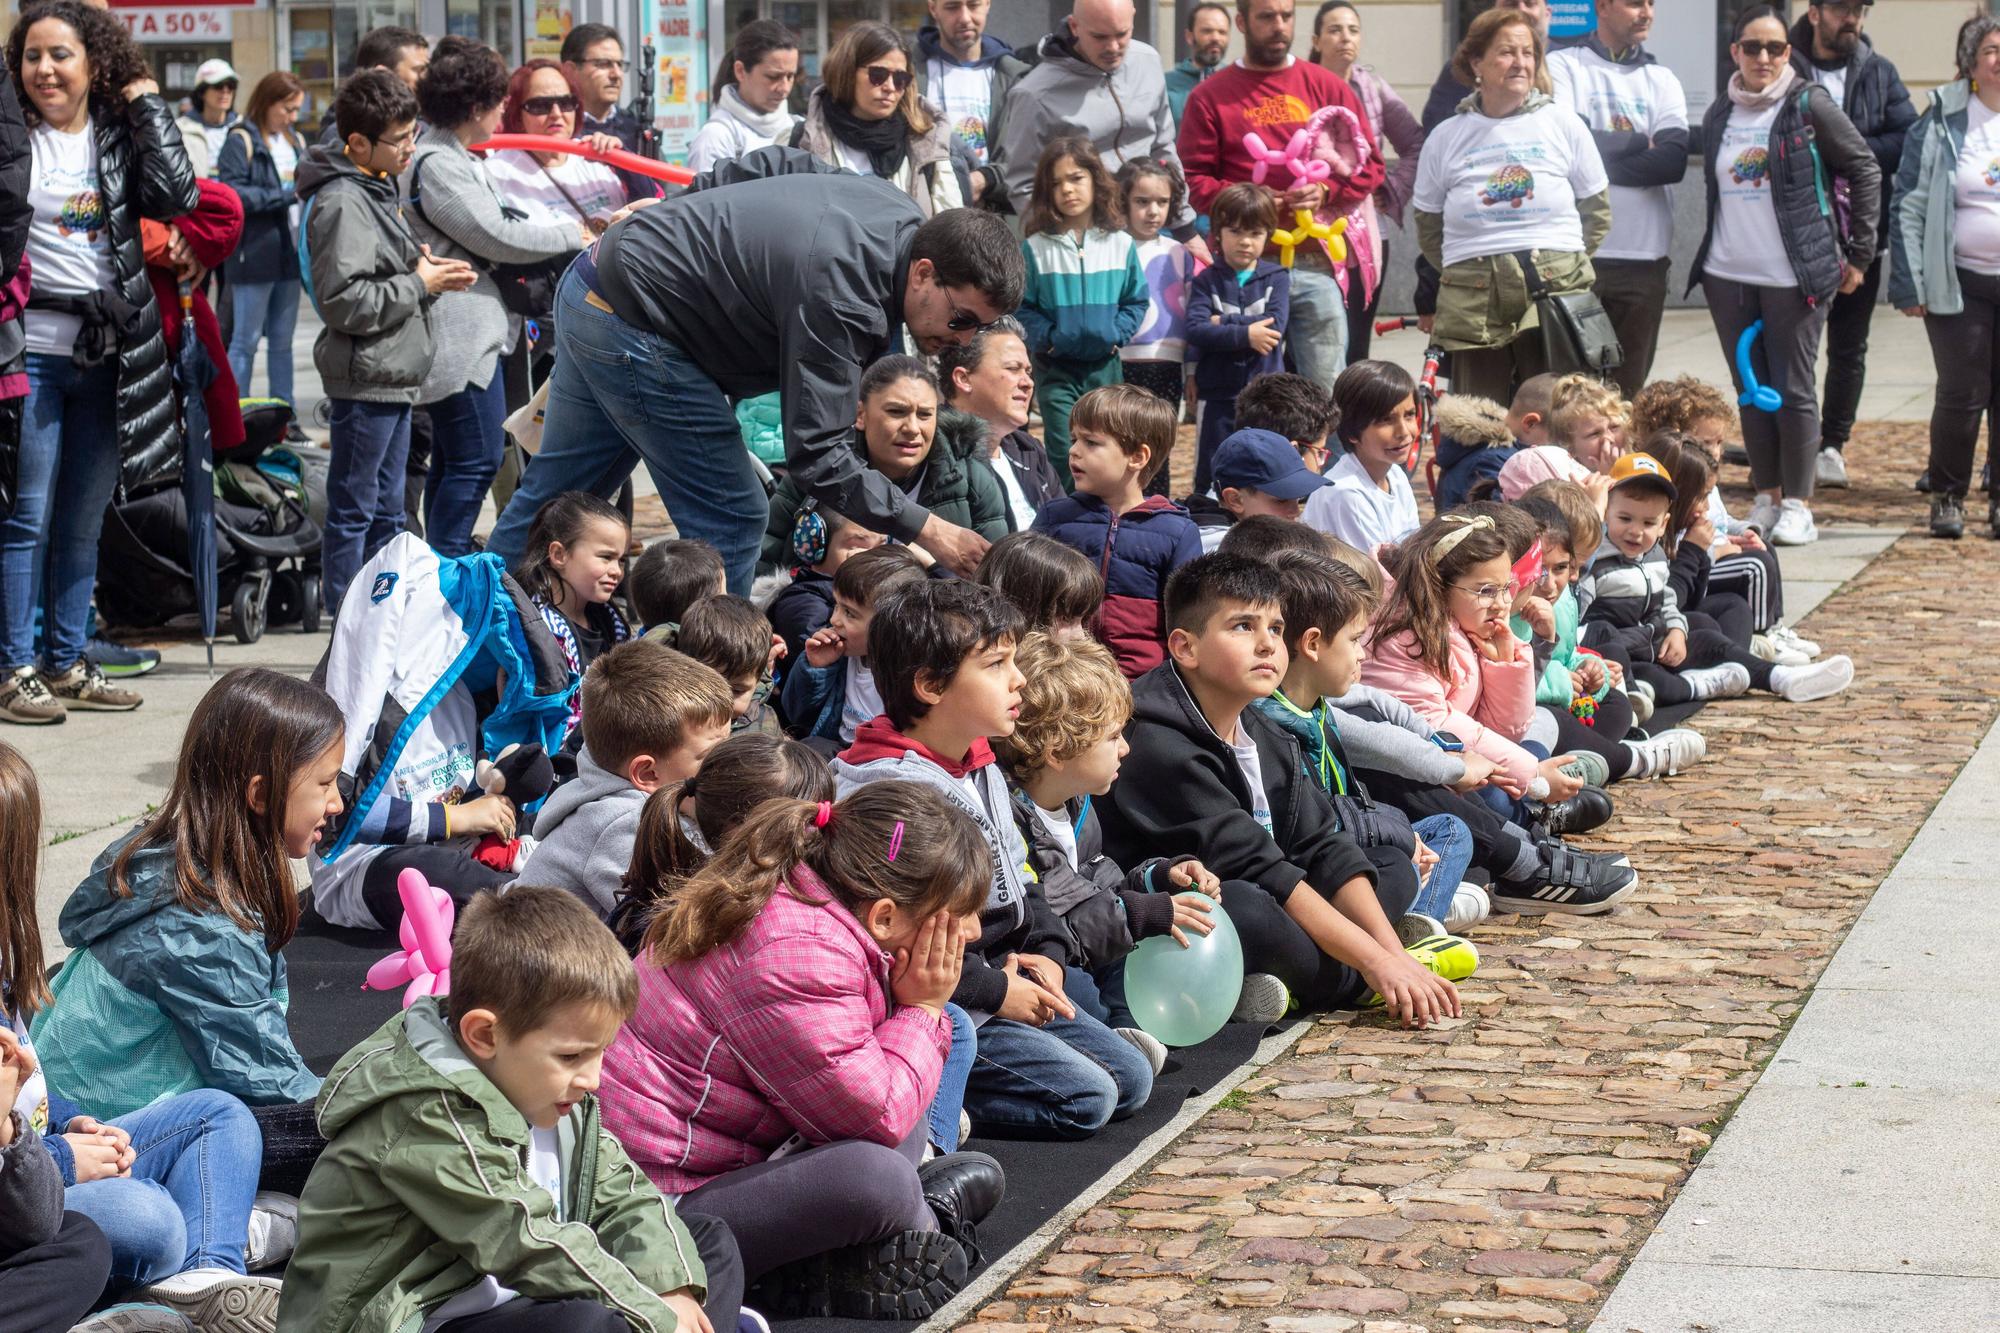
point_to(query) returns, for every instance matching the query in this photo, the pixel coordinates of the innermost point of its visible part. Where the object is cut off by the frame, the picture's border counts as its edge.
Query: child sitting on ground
(1293, 406)
(658, 715)
(176, 1214)
(681, 824)
(727, 633)
(1064, 753)
(1237, 312)
(1120, 435)
(790, 1037)
(469, 1184)
(1223, 783)
(1588, 418)
(55, 1261)
(821, 542)
(1255, 472)
(571, 568)
(1327, 607)
(944, 658)
(1370, 504)
(1477, 437)
(830, 691)
(670, 576)
(1054, 587)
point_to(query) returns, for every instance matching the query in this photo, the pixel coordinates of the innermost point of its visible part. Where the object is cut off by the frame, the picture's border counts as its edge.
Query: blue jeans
(950, 1099)
(364, 487)
(186, 1203)
(68, 469)
(1064, 1080)
(468, 438)
(264, 312)
(1448, 836)
(1316, 332)
(1505, 806)
(621, 394)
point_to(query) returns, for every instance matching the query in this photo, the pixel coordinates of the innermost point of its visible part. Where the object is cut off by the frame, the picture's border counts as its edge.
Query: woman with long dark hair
(868, 118)
(749, 110)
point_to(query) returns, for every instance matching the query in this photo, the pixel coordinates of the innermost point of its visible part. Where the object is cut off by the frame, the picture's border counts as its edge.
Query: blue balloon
(1760, 396)
(1184, 996)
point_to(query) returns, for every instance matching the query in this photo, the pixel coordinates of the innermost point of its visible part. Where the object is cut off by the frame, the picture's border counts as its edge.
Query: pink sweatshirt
(1486, 704)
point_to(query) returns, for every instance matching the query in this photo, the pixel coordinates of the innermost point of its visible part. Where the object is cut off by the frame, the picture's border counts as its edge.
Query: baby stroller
(267, 508)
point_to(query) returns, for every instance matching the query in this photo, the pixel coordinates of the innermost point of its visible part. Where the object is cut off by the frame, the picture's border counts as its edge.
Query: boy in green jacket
(468, 1187)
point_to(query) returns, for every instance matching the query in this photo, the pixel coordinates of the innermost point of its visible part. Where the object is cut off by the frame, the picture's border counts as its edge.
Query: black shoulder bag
(1577, 334)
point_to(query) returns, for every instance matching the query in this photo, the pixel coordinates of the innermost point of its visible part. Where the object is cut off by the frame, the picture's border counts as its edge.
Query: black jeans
(1634, 293)
(1604, 737)
(1276, 944)
(1360, 312)
(1162, 379)
(1496, 849)
(1708, 644)
(442, 865)
(725, 1296)
(54, 1284)
(1967, 354)
(1754, 576)
(1847, 324)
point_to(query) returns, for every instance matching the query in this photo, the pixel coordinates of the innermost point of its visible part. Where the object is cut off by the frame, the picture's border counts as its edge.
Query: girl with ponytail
(791, 1036)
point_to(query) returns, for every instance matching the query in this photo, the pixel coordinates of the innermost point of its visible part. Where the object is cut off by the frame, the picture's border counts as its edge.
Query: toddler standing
(1237, 312)
(1150, 192)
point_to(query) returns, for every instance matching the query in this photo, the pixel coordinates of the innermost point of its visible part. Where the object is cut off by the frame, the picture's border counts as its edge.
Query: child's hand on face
(1701, 532)
(926, 973)
(1497, 644)
(688, 1316)
(1479, 771)
(1674, 648)
(825, 648)
(488, 814)
(1264, 336)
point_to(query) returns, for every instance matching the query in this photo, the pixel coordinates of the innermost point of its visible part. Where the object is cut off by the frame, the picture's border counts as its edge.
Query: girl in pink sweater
(790, 1037)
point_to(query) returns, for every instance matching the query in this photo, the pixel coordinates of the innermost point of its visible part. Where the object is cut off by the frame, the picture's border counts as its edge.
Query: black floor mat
(331, 1013)
(1672, 715)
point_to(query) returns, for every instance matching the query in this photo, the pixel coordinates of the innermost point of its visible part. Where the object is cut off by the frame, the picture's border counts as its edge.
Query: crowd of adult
(1537, 170)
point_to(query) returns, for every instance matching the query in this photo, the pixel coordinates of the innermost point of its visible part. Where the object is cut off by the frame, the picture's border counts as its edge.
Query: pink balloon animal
(425, 961)
(1295, 156)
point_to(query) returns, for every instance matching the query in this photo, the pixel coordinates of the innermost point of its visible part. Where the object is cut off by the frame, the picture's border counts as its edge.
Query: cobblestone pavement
(1495, 1174)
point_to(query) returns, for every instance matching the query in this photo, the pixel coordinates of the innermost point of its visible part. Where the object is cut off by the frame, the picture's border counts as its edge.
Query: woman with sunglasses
(456, 210)
(867, 118)
(212, 111)
(1780, 245)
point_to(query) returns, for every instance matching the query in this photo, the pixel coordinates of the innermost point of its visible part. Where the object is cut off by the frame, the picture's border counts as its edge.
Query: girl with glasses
(868, 118)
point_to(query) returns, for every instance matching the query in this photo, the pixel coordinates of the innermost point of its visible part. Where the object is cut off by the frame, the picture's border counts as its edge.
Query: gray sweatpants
(1784, 447)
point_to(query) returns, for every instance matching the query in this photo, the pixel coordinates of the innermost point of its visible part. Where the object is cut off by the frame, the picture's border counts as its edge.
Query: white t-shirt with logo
(1977, 230)
(538, 191)
(1510, 184)
(1252, 766)
(966, 95)
(1642, 99)
(69, 240)
(545, 1168)
(1833, 80)
(1747, 246)
(1169, 271)
(861, 704)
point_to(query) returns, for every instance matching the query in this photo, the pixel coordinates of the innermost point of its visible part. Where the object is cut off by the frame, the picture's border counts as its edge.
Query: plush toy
(524, 775)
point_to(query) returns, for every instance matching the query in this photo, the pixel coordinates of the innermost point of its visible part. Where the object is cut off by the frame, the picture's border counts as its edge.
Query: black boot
(910, 1275)
(1581, 813)
(963, 1189)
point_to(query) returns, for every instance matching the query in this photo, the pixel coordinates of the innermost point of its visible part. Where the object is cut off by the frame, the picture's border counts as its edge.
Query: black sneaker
(1947, 517)
(1588, 809)
(910, 1275)
(1568, 881)
(296, 434)
(1922, 485)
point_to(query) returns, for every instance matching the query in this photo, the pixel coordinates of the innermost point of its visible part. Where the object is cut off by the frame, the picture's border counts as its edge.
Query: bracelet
(447, 821)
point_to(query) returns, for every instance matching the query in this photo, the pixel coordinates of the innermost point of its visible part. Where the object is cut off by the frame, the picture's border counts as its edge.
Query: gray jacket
(1123, 112)
(455, 211)
(1923, 219)
(31, 1192)
(1400, 742)
(585, 833)
(376, 341)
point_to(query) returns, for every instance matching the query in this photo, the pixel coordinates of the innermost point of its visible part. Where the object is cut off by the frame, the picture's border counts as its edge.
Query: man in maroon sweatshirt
(1274, 93)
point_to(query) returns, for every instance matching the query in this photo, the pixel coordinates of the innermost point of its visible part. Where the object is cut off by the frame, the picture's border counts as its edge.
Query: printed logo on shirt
(82, 215)
(1167, 315)
(1992, 172)
(1618, 112)
(971, 131)
(1751, 167)
(1621, 123)
(1512, 184)
(378, 592)
(1277, 109)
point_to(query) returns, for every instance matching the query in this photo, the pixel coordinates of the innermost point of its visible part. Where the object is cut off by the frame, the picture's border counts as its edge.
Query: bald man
(1095, 80)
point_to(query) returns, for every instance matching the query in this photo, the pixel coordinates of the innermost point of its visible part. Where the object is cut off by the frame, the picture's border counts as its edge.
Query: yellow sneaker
(1448, 956)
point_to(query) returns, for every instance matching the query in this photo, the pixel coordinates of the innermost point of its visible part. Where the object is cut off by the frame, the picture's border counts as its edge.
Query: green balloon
(1184, 996)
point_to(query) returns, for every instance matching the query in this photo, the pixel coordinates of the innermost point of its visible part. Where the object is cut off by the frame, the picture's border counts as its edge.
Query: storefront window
(819, 24)
(491, 21)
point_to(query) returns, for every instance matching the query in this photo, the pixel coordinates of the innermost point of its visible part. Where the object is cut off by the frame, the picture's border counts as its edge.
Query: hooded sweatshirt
(1276, 104)
(159, 999)
(1637, 112)
(971, 93)
(362, 275)
(1017, 918)
(424, 1192)
(584, 835)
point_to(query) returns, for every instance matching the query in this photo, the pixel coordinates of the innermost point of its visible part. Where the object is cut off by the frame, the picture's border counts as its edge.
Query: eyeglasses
(1772, 49)
(542, 106)
(964, 321)
(606, 66)
(1490, 592)
(881, 74)
(400, 141)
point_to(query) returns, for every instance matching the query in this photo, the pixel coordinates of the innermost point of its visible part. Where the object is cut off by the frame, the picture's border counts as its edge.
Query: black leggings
(1708, 646)
(53, 1284)
(722, 1304)
(1162, 379)
(1274, 943)
(1605, 736)
(292, 1143)
(1754, 577)
(446, 867)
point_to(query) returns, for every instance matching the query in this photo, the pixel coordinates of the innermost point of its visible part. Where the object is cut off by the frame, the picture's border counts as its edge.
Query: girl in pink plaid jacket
(790, 1037)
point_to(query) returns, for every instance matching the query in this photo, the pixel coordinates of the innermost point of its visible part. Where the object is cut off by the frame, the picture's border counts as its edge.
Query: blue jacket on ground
(1136, 552)
(1227, 363)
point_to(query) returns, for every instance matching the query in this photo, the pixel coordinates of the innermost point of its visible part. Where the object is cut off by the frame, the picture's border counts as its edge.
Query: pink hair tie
(895, 842)
(824, 815)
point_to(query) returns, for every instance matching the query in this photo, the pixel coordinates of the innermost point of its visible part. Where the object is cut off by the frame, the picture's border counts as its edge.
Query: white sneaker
(1718, 682)
(1469, 907)
(1416, 926)
(1667, 753)
(1149, 1046)
(1831, 470)
(1264, 1000)
(274, 1231)
(1786, 636)
(1795, 526)
(964, 1127)
(1764, 514)
(1771, 650)
(1803, 684)
(1640, 695)
(216, 1300)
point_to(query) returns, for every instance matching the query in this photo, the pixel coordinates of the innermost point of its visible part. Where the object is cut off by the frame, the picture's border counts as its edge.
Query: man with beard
(1273, 93)
(1829, 48)
(967, 74)
(1207, 39)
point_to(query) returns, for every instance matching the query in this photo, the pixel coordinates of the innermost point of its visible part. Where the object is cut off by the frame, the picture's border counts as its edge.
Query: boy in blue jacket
(1236, 315)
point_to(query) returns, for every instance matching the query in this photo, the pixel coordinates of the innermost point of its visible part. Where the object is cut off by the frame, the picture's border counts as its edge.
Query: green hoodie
(424, 1189)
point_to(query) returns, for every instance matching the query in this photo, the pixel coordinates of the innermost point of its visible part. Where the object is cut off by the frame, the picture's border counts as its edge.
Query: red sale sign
(177, 23)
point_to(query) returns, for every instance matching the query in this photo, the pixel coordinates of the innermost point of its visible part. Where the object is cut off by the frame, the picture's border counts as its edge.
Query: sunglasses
(542, 106)
(1771, 49)
(879, 75)
(964, 321)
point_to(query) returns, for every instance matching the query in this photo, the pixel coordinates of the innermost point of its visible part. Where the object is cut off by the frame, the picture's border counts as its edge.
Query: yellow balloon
(1309, 229)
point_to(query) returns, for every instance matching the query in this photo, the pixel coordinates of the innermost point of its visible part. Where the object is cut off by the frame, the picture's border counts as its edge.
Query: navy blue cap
(1263, 460)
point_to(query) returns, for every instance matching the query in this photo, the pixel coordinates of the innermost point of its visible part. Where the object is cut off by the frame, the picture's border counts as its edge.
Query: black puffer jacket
(142, 172)
(1875, 100)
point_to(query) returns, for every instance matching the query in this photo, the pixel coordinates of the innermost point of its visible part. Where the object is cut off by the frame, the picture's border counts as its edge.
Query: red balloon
(617, 158)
